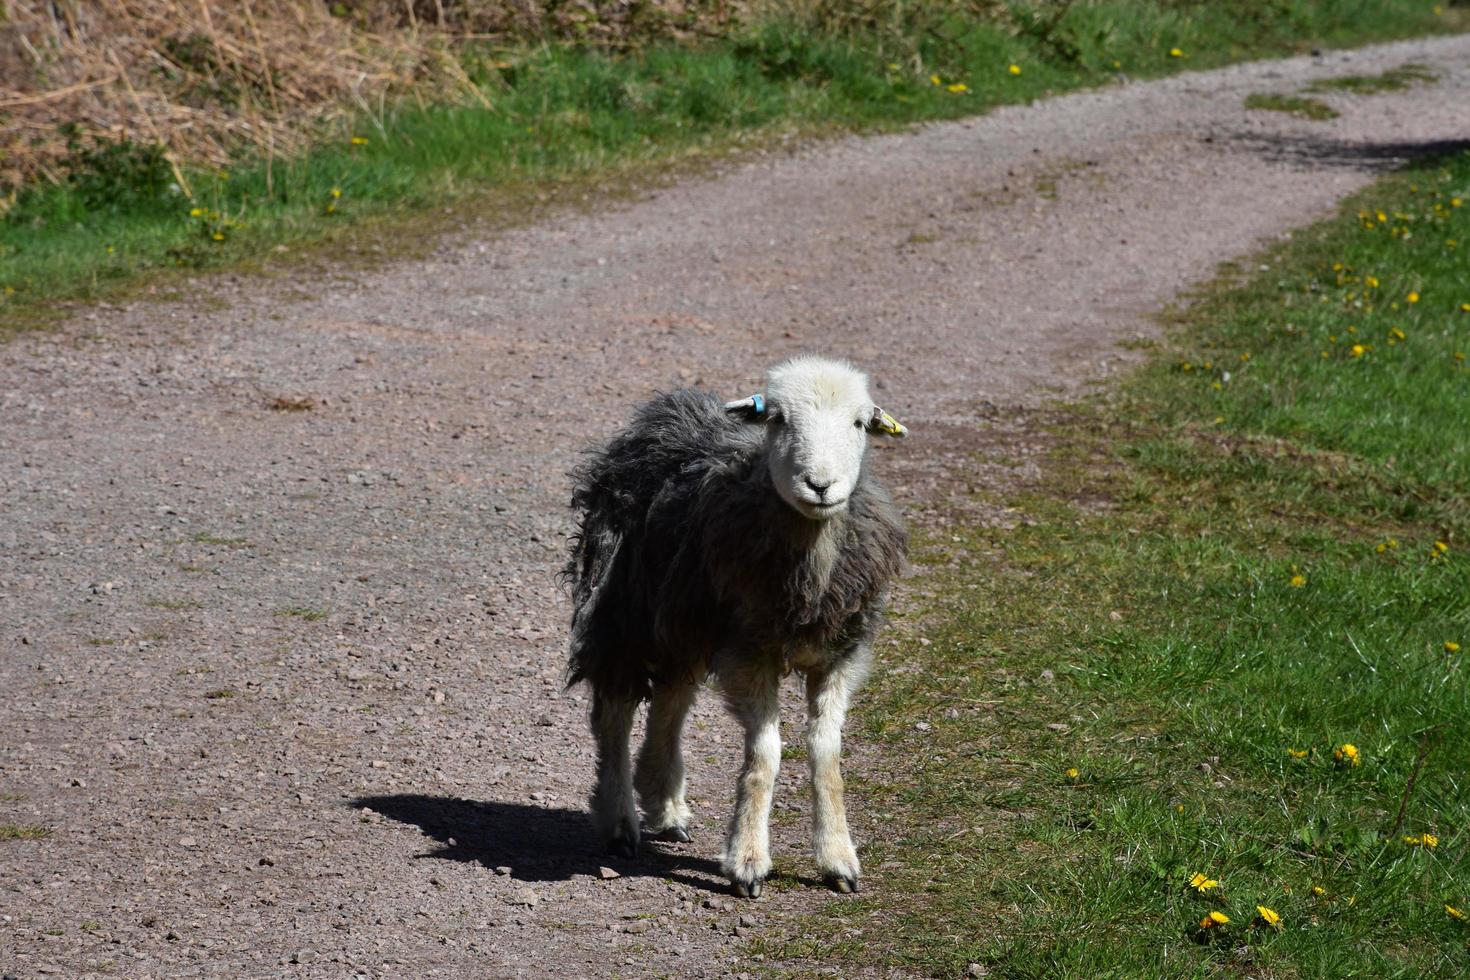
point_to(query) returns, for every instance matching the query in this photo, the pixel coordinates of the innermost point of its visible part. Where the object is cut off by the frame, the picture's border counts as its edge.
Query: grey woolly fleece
(685, 556)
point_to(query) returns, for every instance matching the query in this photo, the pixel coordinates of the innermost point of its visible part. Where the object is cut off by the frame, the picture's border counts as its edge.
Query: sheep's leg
(659, 777)
(828, 694)
(612, 801)
(752, 697)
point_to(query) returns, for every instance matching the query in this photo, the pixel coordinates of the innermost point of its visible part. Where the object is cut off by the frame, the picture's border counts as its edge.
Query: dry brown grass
(206, 78)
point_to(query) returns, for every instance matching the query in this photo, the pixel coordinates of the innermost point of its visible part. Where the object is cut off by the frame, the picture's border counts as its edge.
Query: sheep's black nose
(820, 489)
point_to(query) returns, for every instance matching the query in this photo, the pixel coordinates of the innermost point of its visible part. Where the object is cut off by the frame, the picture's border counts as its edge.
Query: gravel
(373, 578)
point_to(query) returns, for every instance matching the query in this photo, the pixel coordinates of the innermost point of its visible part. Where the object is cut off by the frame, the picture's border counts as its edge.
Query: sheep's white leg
(752, 697)
(828, 694)
(659, 777)
(612, 801)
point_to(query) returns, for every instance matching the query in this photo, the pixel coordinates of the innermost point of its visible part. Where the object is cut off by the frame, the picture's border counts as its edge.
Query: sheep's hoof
(748, 889)
(674, 834)
(623, 847)
(842, 884)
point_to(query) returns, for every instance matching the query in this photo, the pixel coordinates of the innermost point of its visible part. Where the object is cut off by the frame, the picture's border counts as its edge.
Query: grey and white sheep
(737, 540)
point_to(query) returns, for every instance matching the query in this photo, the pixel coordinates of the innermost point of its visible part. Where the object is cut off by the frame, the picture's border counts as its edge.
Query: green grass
(1294, 105)
(559, 117)
(12, 831)
(1248, 557)
(1393, 80)
(306, 613)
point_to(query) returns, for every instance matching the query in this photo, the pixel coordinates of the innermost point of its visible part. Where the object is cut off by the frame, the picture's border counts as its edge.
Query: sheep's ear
(884, 424)
(752, 409)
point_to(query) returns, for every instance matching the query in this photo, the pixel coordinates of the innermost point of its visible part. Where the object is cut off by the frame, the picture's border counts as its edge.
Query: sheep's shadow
(536, 843)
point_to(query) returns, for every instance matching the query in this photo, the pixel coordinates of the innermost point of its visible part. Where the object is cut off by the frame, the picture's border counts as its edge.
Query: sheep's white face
(818, 415)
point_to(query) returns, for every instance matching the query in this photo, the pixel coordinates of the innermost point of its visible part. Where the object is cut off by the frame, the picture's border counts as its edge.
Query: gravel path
(285, 684)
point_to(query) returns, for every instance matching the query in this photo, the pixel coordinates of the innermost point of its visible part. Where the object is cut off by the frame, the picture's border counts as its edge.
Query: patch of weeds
(98, 641)
(12, 797)
(307, 613)
(204, 537)
(16, 831)
(1294, 105)
(220, 694)
(1393, 80)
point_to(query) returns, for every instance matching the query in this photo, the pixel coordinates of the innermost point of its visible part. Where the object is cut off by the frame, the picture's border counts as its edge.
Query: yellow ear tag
(891, 425)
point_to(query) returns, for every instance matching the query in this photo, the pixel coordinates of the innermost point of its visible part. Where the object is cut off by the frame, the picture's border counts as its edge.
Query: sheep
(738, 541)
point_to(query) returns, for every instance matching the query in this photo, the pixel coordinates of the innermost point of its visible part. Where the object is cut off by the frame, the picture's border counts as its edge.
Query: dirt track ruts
(226, 628)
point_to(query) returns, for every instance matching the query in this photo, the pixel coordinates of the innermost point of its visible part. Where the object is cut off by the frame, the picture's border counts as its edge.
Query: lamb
(741, 541)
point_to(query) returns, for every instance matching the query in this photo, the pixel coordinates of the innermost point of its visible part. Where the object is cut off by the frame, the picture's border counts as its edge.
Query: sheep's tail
(595, 545)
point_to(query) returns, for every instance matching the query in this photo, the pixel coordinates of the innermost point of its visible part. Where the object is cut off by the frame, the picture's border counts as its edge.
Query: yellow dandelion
(1380, 216)
(1441, 548)
(1269, 916)
(1371, 282)
(1347, 754)
(336, 192)
(1465, 307)
(1429, 840)
(1219, 420)
(959, 87)
(1454, 913)
(1073, 773)
(1412, 297)
(1176, 53)
(1016, 69)
(1214, 920)
(1450, 646)
(1359, 350)
(935, 80)
(196, 212)
(359, 141)
(218, 236)
(1398, 334)
(1318, 890)
(1454, 202)
(1297, 753)
(1203, 884)
(1297, 581)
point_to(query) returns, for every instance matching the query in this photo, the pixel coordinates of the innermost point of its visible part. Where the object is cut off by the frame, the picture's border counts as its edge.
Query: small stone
(188, 842)
(303, 956)
(607, 874)
(1056, 726)
(748, 921)
(1048, 676)
(922, 726)
(267, 862)
(526, 897)
(976, 970)
(380, 764)
(503, 869)
(81, 783)
(172, 936)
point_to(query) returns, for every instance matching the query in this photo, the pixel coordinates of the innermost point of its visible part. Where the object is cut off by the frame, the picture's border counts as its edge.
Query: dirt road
(285, 685)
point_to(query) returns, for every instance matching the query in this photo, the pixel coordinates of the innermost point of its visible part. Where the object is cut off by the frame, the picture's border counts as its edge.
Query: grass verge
(1219, 663)
(553, 116)
(1293, 105)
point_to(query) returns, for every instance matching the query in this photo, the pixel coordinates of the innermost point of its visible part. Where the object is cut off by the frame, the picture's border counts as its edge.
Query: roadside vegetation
(1201, 709)
(220, 140)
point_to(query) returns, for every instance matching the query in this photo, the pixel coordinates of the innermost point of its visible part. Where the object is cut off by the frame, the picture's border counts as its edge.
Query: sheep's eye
(857, 423)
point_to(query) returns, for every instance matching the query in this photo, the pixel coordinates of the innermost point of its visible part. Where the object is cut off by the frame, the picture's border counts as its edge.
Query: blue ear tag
(758, 402)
